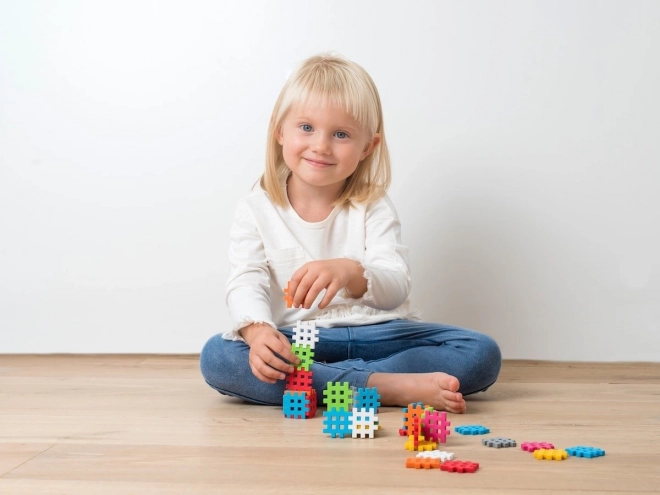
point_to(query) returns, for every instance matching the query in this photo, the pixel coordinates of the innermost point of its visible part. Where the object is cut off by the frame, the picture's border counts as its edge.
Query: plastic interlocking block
(338, 396)
(532, 446)
(422, 463)
(305, 354)
(337, 423)
(471, 430)
(363, 423)
(306, 334)
(367, 398)
(287, 297)
(299, 380)
(435, 426)
(295, 404)
(459, 466)
(583, 451)
(311, 395)
(437, 454)
(551, 454)
(498, 442)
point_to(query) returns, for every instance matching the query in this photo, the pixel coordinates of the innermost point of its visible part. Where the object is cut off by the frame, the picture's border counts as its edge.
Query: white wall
(524, 137)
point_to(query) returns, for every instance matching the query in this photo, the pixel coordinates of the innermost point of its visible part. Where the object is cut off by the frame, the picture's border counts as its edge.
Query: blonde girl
(321, 219)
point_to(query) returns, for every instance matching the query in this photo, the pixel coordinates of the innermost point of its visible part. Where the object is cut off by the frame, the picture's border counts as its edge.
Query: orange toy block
(422, 463)
(287, 297)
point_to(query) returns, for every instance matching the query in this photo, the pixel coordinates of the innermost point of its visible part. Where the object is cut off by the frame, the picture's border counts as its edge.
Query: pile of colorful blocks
(350, 412)
(299, 400)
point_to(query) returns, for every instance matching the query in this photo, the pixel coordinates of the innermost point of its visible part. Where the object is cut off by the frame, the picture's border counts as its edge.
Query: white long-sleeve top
(268, 243)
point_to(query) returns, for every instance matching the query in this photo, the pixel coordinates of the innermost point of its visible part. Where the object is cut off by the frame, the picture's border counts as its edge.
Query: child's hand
(332, 275)
(265, 342)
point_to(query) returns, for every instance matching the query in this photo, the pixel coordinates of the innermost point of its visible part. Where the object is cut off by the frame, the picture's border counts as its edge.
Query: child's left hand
(332, 275)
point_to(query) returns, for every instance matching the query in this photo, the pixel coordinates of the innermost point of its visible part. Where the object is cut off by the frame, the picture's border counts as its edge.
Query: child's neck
(311, 204)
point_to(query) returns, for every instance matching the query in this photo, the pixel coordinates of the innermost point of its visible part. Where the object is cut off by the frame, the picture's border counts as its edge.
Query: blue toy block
(471, 430)
(367, 398)
(295, 404)
(582, 451)
(338, 423)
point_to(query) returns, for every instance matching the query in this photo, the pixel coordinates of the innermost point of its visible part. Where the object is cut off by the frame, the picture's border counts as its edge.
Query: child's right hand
(266, 344)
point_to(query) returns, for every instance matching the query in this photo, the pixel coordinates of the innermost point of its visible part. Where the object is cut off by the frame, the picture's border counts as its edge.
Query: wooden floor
(149, 424)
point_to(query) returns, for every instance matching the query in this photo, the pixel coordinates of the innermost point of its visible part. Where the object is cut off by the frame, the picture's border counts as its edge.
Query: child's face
(322, 144)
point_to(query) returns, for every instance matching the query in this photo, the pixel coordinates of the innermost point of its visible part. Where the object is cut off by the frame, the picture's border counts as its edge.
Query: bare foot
(439, 390)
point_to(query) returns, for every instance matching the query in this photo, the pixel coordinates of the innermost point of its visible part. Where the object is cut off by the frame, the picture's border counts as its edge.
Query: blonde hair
(347, 85)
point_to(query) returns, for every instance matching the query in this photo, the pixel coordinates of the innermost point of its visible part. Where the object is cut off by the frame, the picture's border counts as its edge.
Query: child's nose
(321, 144)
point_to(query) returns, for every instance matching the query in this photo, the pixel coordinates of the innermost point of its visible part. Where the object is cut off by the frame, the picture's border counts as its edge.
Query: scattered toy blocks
(422, 463)
(551, 454)
(471, 430)
(498, 442)
(532, 446)
(459, 466)
(582, 451)
(437, 454)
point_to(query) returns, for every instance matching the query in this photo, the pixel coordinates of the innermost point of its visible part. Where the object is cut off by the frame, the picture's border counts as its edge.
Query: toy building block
(551, 454)
(437, 454)
(532, 446)
(582, 451)
(459, 466)
(305, 354)
(295, 404)
(367, 398)
(306, 334)
(422, 463)
(403, 432)
(338, 423)
(498, 442)
(299, 380)
(410, 413)
(363, 423)
(471, 430)
(287, 297)
(338, 397)
(435, 426)
(311, 395)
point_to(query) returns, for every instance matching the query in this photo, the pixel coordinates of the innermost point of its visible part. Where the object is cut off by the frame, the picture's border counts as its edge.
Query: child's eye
(306, 127)
(341, 134)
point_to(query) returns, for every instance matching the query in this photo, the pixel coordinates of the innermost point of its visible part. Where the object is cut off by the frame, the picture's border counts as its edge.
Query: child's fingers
(261, 370)
(330, 293)
(319, 284)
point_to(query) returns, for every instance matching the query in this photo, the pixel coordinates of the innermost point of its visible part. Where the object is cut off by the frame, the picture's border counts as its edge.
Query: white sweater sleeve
(385, 258)
(248, 287)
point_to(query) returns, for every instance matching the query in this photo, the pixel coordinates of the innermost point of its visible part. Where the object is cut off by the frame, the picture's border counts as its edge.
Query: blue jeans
(351, 354)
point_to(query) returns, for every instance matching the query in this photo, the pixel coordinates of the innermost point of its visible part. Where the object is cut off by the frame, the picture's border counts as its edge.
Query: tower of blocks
(350, 412)
(424, 427)
(299, 400)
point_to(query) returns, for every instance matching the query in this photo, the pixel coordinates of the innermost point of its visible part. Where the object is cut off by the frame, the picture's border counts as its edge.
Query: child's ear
(370, 146)
(278, 136)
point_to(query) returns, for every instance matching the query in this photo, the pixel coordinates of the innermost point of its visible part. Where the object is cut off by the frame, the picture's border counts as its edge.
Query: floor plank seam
(26, 461)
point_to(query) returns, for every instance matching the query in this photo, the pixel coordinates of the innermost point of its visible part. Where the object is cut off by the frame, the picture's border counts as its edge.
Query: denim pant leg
(351, 354)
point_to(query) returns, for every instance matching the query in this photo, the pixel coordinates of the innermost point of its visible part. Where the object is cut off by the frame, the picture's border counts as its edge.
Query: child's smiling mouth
(317, 163)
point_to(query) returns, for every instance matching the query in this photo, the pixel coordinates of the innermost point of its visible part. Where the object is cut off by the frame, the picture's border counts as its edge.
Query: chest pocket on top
(283, 263)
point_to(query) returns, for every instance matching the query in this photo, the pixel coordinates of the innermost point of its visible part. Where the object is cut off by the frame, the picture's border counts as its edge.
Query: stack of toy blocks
(350, 413)
(424, 427)
(299, 399)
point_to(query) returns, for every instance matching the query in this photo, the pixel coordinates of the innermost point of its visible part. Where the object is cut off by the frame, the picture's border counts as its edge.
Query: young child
(321, 219)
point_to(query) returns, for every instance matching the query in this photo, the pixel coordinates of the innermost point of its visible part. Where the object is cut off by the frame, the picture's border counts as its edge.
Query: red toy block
(299, 380)
(311, 395)
(422, 463)
(459, 466)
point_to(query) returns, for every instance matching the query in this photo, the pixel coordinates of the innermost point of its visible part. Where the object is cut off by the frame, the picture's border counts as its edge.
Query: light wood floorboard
(132, 424)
